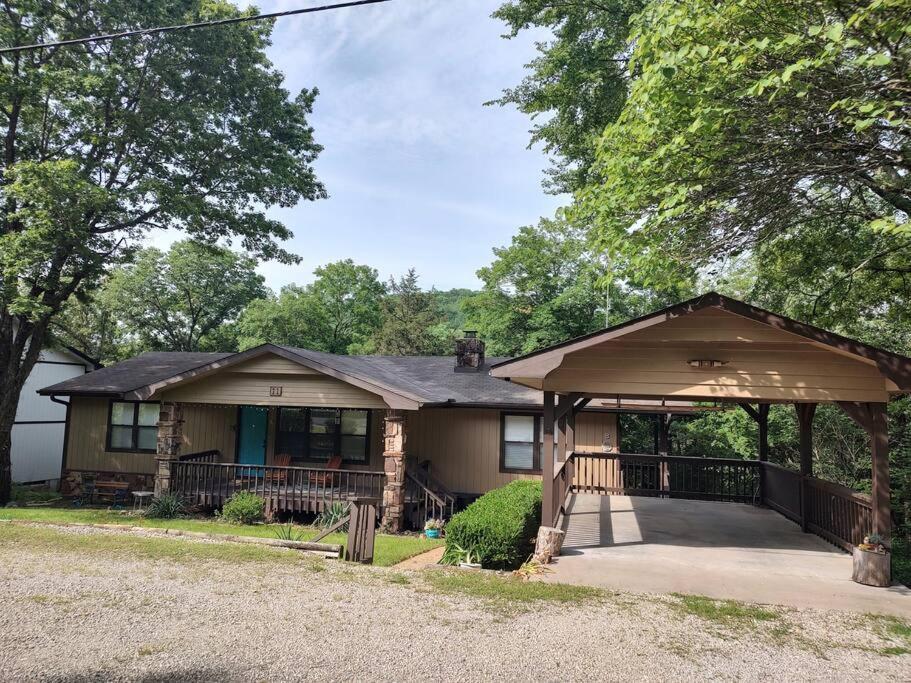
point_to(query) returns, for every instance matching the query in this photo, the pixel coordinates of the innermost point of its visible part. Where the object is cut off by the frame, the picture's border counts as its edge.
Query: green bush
(166, 506)
(243, 508)
(499, 527)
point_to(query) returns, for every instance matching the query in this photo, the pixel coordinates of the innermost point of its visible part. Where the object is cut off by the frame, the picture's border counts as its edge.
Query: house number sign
(275, 391)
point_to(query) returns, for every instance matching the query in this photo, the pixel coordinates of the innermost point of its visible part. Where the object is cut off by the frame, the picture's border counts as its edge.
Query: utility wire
(183, 27)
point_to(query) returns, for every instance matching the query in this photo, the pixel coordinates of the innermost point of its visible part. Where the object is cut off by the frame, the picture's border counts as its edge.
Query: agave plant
(286, 532)
(166, 506)
(331, 515)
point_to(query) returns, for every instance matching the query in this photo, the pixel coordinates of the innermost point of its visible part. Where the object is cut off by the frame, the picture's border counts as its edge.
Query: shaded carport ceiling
(757, 355)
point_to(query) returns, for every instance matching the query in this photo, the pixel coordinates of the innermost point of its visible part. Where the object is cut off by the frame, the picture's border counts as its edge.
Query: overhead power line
(184, 27)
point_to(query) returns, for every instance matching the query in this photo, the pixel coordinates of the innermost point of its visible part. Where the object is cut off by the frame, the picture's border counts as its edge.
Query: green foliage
(176, 300)
(336, 313)
(243, 508)
(500, 526)
(578, 83)
(412, 322)
(331, 515)
(166, 506)
(737, 123)
(507, 591)
(723, 612)
(287, 532)
(190, 130)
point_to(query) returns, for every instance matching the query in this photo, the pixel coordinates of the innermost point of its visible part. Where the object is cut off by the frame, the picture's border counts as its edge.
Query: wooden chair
(326, 478)
(280, 476)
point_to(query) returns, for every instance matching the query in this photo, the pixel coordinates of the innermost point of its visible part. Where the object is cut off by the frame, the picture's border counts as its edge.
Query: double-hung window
(133, 426)
(318, 434)
(520, 443)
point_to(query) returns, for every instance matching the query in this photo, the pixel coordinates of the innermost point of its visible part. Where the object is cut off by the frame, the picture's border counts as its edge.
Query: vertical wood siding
(463, 444)
(205, 427)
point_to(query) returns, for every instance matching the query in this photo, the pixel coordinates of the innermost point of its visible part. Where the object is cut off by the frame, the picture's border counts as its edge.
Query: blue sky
(419, 172)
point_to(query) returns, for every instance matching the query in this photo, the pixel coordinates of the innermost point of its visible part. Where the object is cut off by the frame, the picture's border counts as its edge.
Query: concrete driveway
(722, 550)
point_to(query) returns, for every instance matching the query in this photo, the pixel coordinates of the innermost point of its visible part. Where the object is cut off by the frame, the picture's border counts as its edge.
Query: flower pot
(469, 565)
(872, 568)
(432, 533)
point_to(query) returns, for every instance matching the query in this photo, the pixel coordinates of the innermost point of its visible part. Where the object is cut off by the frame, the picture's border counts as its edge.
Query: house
(278, 406)
(39, 431)
(306, 429)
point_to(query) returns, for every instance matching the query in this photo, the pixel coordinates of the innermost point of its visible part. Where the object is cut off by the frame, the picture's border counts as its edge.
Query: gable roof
(894, 366)
(403, 381)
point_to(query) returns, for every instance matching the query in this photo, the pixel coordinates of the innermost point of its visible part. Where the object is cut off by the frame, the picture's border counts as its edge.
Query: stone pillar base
(394, 467)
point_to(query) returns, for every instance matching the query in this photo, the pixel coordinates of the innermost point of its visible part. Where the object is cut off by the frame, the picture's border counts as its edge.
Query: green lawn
(389, 549)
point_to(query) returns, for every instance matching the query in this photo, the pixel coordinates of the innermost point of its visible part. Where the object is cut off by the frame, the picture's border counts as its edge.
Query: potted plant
(433, 527)
(471, 559)
(872, 562)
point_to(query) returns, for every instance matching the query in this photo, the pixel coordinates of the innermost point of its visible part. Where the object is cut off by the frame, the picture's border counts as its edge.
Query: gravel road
(71, 617)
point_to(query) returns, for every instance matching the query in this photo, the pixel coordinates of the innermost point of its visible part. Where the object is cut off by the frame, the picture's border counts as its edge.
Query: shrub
(500, 526)
(243, 508)
(166, 506)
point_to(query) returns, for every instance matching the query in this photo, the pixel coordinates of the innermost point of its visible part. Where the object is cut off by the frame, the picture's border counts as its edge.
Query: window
(317, 434)
(520, 451)
(133, 426)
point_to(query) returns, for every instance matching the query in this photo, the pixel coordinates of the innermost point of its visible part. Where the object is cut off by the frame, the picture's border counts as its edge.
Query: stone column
(170, 438)
(394, 467)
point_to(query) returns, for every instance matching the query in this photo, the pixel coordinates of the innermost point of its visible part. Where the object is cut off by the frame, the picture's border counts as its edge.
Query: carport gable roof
(538, 364)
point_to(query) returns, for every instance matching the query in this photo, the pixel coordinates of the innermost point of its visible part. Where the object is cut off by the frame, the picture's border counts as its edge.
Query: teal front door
(253, 424)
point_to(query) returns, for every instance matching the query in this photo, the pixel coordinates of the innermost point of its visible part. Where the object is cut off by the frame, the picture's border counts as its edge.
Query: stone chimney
(469, 352)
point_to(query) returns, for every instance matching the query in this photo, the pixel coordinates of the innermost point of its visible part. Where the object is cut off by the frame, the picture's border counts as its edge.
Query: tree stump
(548, 544)
(872, 568)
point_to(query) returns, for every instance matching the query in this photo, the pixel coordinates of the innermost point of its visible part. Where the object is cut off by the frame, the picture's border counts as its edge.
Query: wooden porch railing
(425, 502)
(285, 489)
(835, 512)
(213, 455)
(667, 476)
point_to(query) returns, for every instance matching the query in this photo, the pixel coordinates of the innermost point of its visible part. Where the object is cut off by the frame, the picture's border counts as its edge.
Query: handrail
(841, 491)
(668, 458)
(201, 456)
(426, 490)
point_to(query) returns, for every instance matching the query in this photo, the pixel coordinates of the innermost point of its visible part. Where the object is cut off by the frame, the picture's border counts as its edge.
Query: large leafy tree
(413, 324)
(337, 312)
(749, 118)
(178, 300)
(549, 285)
(106, 141)
(578, 82)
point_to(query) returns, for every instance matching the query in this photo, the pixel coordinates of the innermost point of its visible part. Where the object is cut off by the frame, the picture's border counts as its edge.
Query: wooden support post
(880, 490)
(763, 432)
(394, 467)
(170, 438)
(548, 504)
(361, 531)
(664, 434)
(805, 413)
(560, 426)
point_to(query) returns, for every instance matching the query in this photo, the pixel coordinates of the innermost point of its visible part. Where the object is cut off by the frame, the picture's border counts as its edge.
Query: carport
(717, 350)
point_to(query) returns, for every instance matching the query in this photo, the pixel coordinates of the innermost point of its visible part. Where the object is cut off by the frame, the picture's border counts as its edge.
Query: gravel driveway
(72, 617)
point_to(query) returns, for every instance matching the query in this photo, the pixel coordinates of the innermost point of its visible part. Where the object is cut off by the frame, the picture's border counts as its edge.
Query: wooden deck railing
(669, 476)
(781, 490)
(838, 514)
(285, 489)
(213, 455)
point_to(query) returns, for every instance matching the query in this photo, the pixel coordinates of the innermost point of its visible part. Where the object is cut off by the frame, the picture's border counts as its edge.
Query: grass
(32, 494)
(722, 612)
(508, 591)
(894, 629)
(388, 550)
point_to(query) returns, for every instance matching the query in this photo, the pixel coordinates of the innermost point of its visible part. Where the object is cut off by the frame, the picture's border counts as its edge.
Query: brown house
(306, 429)
(276, 419)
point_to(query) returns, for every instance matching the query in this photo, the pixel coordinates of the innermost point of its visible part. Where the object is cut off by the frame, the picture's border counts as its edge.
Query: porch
(719, 549)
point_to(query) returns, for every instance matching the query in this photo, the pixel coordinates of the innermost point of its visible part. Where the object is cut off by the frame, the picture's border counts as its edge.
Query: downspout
(66, 437)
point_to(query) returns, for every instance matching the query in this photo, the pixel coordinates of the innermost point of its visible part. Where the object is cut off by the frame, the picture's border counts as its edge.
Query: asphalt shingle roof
(431, 379)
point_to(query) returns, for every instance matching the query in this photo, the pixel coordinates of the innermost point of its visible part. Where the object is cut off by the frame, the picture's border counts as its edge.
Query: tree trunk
(548, 545)
(872, 569)
(20, 346)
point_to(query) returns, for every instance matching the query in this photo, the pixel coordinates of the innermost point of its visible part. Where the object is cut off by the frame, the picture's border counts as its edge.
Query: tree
(549, 285)
(336, 313)
(177, 301)
(413, 324)
(92, 326)
(577, 84)
(104, 142)
(747, 119)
